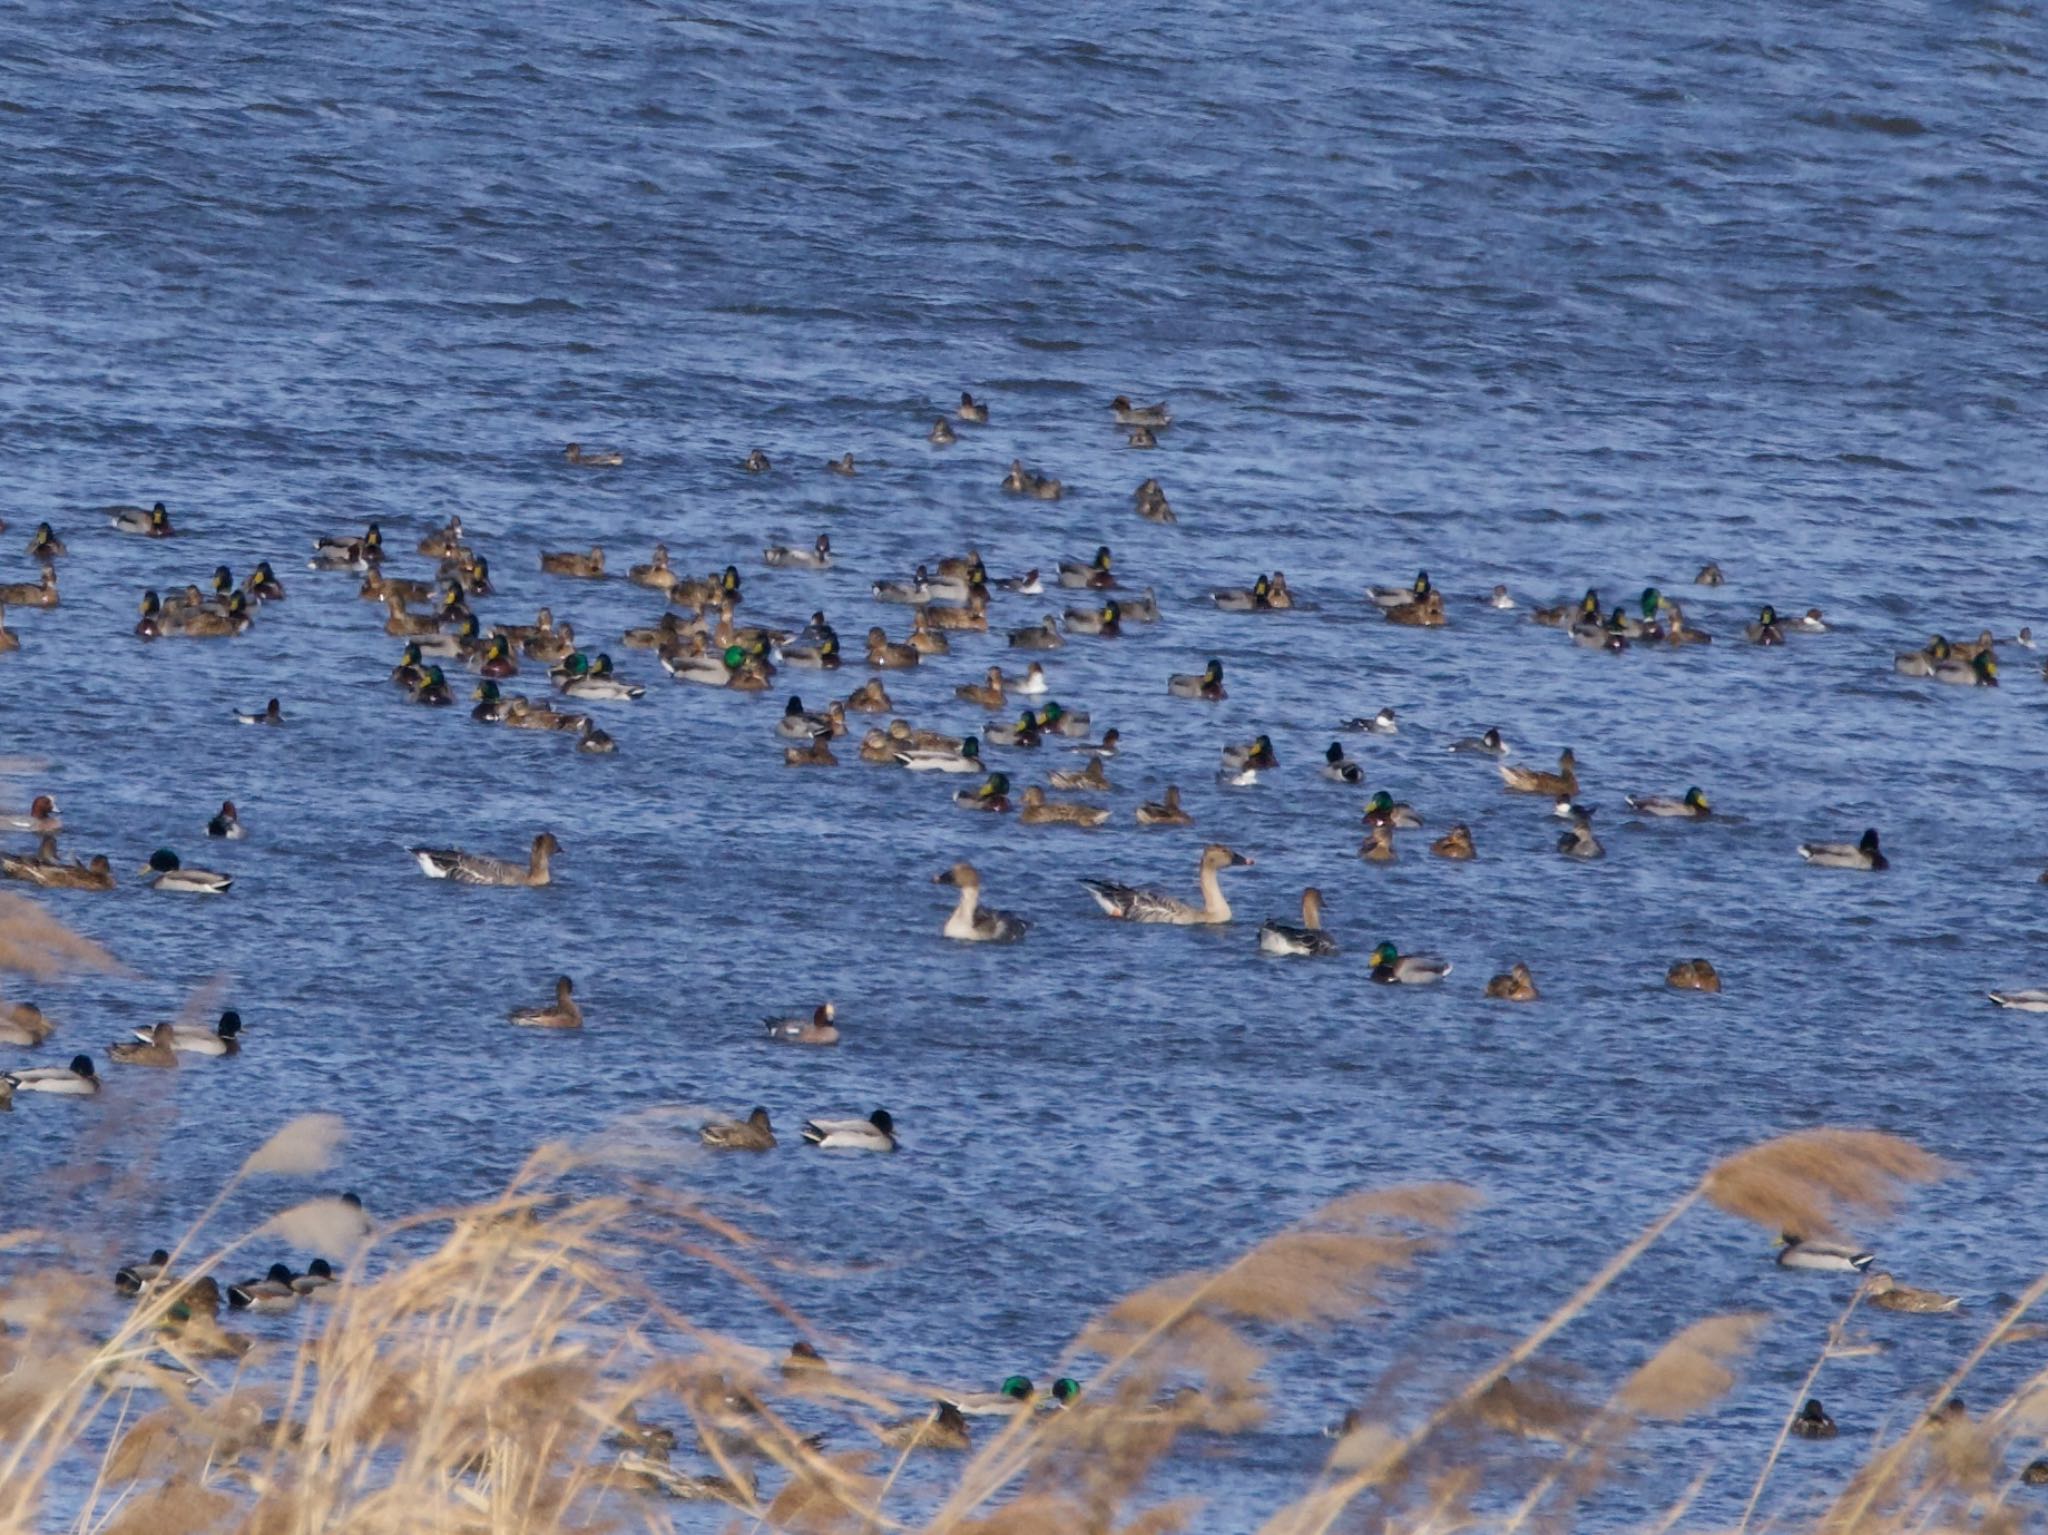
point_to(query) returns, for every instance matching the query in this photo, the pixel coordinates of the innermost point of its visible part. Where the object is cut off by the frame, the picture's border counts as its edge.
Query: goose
(1980, 671)
(1565, 781)
(152, 523)
(157, 1051)
(1827, 1257)
(593, 458)
(842, 465)
(1390, 598)
(1093, 573)
(476, 869)
(992, 796)
(820, 1028)
(1384, 810)
(1861, 854)
(1340, 769)
(1692, 806)
(875, 1133)
(817, 557)
(269, 714)
(1384, 723)
(967, 759)
(42, 818)
(1127, 414)
(1455, 844)
(1277, 937)
(562, 1013)
(1131, 904)
(756, 462)
(189, 1039)
(75, 1081)
(1206, 685)
(1517, 985)
(1036, 810)
(970, 921)
(268, 1295)
(1766, 630)
(1491, 744)
(1165, 811)
(1813, 1421)
(1694, 975)
(1391, 967)
(1888, 1294)
(1090, 779)
(585, 567)
(942, 434)
(164, 872)
(754, 1133)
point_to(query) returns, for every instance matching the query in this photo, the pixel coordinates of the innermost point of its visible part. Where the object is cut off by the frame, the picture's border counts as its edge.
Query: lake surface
(1554, 301)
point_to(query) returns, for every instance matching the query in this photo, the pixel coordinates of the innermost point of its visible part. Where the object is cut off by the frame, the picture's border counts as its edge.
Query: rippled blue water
(1543, 299)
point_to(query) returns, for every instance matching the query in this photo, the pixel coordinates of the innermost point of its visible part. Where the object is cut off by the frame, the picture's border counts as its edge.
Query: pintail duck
(817, 557)
(1795, 1252)
(942, 434)
(23, 1023)
(888, 655)
(164, 872)
(817, 754)
(1152, 504)
(1091, 779)
(970, 921)
(1042, 636)
(1766, 630)
(1391, 967)
(1455, 844)
(42, 818)
(1093, 574)
(44, 544)
(21, 594)
(156, 1051)
(870, 698)
(656, 573)
(1242, 764)
(1038, 811)
(1390, 598)
(1165, 811)
(224, 1038)
(75, 1081)
(989, 695)
(476, 869)
(875, 1133)
(562, 1013)
(1490, 744)
(1126, 414)
(972, 410)
(754, 1133)
(1813, 1421)
(270, 714)
(1428, 613)
(1692, 806)
(1207, 684)
(819, 1027)
(586, 567)
(1384, 809)
(1693, 975)
(1522, 780)
(153, 522)
(756, 462)
(1862, 854)
(1341, 769)
(1517, 985)
(1132, 904)
(1980, 671)
(1378, 846)
(993, 796)
(1276, 937)
(1888, 1294)
(593, 458)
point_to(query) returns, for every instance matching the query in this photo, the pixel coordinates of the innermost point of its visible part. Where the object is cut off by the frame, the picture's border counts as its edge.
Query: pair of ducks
(162, 1044)
(756, 1133)
(1969, 666)
(1268, 594)
(972, 411)
(1389, 965)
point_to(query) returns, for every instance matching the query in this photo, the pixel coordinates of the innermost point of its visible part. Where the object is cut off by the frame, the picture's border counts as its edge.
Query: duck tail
(1112, 898)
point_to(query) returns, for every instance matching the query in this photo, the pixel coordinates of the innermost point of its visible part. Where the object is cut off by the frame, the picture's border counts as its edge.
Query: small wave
(1876, 461)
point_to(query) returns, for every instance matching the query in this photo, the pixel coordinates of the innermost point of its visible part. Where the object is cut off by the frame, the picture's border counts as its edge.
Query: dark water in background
(1540, 299)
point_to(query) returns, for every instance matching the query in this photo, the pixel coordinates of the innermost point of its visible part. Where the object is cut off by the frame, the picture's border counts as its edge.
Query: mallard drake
(270, 1294)
(1795, 1252)
(1244, 599)
(270, 714)
(992, 796)
(1094, 573)
(714, 671)
(1921, 663)
(697, 595)
(819, 1027)
(562, 1013)
(1378, 846)
(875, 1133)
(1813, 1421)
(431, 689)
(1384, 723)
(1038, 811)
(476, 869)
(1766, 630)
(44, 544)
(1015, 1395)
(1151, 503)
(1522, 780)
(1426, 614)
(1383, 809)
(1455, 844)
(1090, 779)
(352, 554)
(797, 724)
(817, 754)
(1888, 1294)
(1980, 671)
(495, 660)
(42, 818)
(1251, 757)
(817, 557)
(1692, 806)
(443, 541)
(942, 434)
(1041, 636)
(756, 462)
(655, 573)
(593, 458)
(1340, 769)
(262, 583)
(224, 1038)
(1597, 634)
(74, 1081)
(43, 594)
(1127, 414)
(1517, 985)
(134, 1278)
(1491, 744)
(754, 1133)
(1276, 937)
(318, 1278)
(870, 698)
(156, 1051)
(970, 921)
(1023, 734)
(1391, 967)
(598, 680)
(153, 522)
(1862, 854)
(967, 759)
(1693, 975)
(23, 1023)
(1106, 622)
(585, 567)
(1391, 597)
(164, 872)
(1499, 598)
(1206, 685)
(1579, 842)
(1165, 811)
(818, 654)
(1131, 904)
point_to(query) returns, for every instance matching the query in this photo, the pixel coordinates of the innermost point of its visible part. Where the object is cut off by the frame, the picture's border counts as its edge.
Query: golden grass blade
(1806, 1182)
(305, 1146)
(34, 943)
(1798, 1400)
(1691, 1373)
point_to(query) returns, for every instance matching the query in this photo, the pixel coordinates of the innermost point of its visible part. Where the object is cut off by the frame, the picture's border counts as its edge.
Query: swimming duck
(1340, 769)
(1132, 904)
(715, 671)
(1092, 574)
(697, 595)
(1811, 622)
(989, 695)
(1207, 685)
(1425, 614)
(819, 1027)
(1455, 844)
(458, 641)
(941, 1429)
(1921, 663)
(669, 629)
(43, 594)
(476, 869)
(972, 410)
(970, 921)
(270, 1294)
(52, 873)
(1392, 967)
(656, 573)
(912, 593)
(1276, 937)
(1165, 811)
(318, 1279)
(153, 523)
(262, 583)
(378, 587)
(493, 706)
(42, 818)
(1384, 723)
(967, 759)
(1565, 781)
(1020, 481)
(817, 557)
(1490, 744)
(1026, 585)
(1127, 414)
(44, 544)
(1813, 1422)
(1382, 809)
(23, 1023)
(754, 1133)
(1142, 437)
(1105, 622)
(443, 541)
(163, 872)
(269, 714)
(134, 1278)
(1595, 633)
(1378, 846)
(1766, 630)
(553, 644)
(1692, 807)
(756, 462)
(593, 458)
(818, 653)
(1091, 779)
(1389, 598)
(431, 689)
(1678, 632)
(1242, 764)
(1043, 636)
(870, 698)
(351, 554)
(942, 434)
(74, 1081)
(1499, 598)
(1517, 985)
(495, 660)
(1025, 733)
(1152, 504)
(156, 1051)
(1710, 575)
(1579, 842)
(1795, 1252)
(798, 725)
(842, 465)
(591, 739)
(817, 754)
(923, 638)
(1862, 854)
(1038, 811)
(224, 1038)
(585, 567)
(875, 1133)
(992, 796)
(1888, 1294)
(1981, 671)
(402, 624)
(598, 680)
(562, 1013)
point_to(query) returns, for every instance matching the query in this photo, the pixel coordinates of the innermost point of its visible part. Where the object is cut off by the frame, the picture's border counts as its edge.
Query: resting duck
(656, 573)
(1026, 585)
(584, 567)
(1579, 842)
(431, 690)
(887, 655)
(1455, 844)
(1678, 632)
(1039, 811)
(870, 698)
(593, 458)
(1091, 779)
(715, 671)
(50, 872)
(1796, 1252)
(1692, 807)
(1391, 598)
(1339, 768)
(923, 638)
(1980, 671)
(990, 695)
(875, 1133)
(1152, 504)
(476, 869)
(20, 594)
(1693, 975)
(1491, 744)
(42, 818)
(164, 872)
(44, 544)
(992, 797)
(1499, 598)
(818, 652)
(1862, 854)
(972, 410)
(562, 1013)
(270, 714)
(1132, 904)
(1522, 780)
(1276, 937)
(1888, 1294)
(1517, 985)
(1378, 846)
(1126, 414)
(9, 640)
(817, 557)
(697, 595)
(1243, 764)
(154, 1049)
(1766, 630)
(1425, 614)
(970, 921)
(754, 1133)
(756, 462)
(1094, 573)
(1026, 482)
(1255, 598)
(1564, 615)
(1812, 622)
(817, 754)
(1813, 1421)
(76, 1080)
(1043, 636)
(798, 724)
(271, 1294)
(352, 554)
(1383, 810)
(942, 434)
(23, 1023)
(152, 523)
(1391, 967)
(1206, 685)
(1165, 811)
